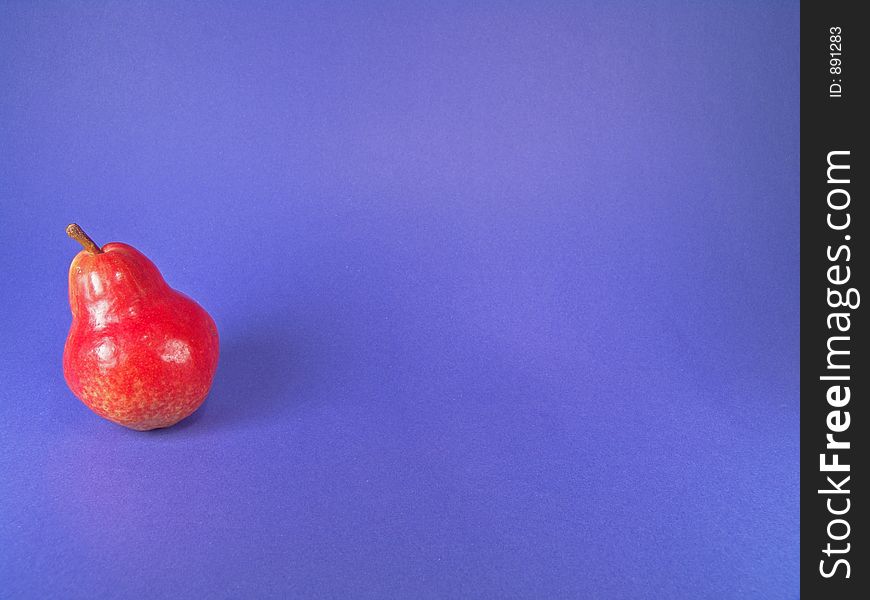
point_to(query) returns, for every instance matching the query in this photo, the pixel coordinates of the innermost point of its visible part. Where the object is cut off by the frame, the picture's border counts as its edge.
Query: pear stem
(79, 235)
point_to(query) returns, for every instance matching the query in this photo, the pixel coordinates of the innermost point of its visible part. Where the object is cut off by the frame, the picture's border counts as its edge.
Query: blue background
(508, 298)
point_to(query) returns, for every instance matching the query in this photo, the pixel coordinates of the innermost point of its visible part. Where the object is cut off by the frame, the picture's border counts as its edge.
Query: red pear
(138, 353)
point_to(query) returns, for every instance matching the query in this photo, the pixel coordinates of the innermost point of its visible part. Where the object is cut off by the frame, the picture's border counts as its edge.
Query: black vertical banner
(835, 372)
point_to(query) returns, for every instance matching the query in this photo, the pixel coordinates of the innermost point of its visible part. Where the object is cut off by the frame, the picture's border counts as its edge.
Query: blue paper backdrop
(507, 293)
